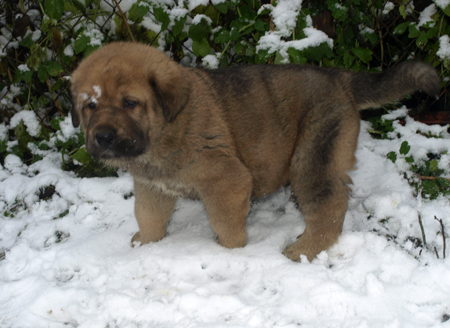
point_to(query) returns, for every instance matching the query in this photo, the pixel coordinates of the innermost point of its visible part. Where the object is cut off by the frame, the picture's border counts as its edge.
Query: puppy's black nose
(105, 137)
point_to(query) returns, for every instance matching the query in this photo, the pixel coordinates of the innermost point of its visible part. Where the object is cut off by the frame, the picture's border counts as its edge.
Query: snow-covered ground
(67, 261)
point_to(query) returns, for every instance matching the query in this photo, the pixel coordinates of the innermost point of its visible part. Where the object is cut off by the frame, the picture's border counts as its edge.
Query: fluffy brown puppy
(225, 135)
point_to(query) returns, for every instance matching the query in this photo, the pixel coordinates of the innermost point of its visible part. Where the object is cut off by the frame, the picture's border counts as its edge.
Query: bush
(42, 42)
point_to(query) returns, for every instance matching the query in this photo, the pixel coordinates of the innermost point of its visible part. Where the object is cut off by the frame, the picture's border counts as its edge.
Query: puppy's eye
(91, 105)
(129, 104)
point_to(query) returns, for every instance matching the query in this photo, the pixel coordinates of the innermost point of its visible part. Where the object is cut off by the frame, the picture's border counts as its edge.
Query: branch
(424, 177)
(443, 235)
(125, 21)
(423, 232)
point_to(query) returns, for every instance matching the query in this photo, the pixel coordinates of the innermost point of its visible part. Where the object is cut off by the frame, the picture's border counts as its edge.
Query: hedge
(42, 42)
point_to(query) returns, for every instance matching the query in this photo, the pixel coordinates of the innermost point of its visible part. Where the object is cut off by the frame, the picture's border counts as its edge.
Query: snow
(198, 18)
(23, 68)
(444, 47)
(149, 24)
(192, 4)
(30, 120)
(426, 16)
(442, 3)
(210, 61)
(68, 260)
(284, 16)
(68, 51)
(388, 7)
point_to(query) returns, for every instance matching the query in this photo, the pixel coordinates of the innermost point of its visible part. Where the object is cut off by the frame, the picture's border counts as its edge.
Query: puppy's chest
(168, 183)
(172, 188)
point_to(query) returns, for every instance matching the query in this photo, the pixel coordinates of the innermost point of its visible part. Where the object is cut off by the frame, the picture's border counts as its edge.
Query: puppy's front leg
(227, 202)
(152, 210)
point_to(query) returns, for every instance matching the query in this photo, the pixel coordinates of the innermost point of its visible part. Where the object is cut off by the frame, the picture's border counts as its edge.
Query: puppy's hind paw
(136, 240)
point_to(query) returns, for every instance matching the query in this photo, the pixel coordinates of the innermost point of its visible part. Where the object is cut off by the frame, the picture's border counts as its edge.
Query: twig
(125, 21)
(443, 235)
(435, 250)
(424, 177)
(423, 232)
(272, 28)
(55, 99)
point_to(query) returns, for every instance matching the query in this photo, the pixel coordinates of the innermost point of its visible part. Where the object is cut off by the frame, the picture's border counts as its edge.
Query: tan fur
(223, 136)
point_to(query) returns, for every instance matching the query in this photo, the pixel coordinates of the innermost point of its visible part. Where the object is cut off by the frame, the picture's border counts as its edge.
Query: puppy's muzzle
(105, 136)
(107, 142)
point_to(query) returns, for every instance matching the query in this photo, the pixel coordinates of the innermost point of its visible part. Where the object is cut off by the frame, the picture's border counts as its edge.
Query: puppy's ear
(171, 87)
(74, 112)
(75, 116)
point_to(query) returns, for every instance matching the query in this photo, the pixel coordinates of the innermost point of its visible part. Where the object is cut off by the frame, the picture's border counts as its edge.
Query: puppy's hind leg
(319, 179)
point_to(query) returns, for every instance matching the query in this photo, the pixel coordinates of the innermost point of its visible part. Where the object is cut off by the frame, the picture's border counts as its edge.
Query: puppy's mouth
(105, 143)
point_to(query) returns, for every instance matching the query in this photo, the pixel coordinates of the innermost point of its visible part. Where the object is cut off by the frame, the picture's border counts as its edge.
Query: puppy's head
(123, 93)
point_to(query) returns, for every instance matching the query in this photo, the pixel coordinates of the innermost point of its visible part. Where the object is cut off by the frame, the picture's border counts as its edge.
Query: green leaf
(338, 10)
(260, 26)
(430, 188)
(27, 76)
(402, 10)
(278, 58)
(432, 32)
(444, 183)
(222, 37)
(392, 156)
(222, 7)
(69, 6)
(296, 56)
(262, 56)
(446, 10)
(82, 156)
(81, 43)
(422, 39)
(372, 37)
(235, 35)
(42, 73)
(201, 48)
(363, 54)
(54, 9)
(413, 31)
(250, 50)
(348, 59)
(162, 16)
(3, 146)
(89, 50)
(27, 42)
(404, 148)
(18, 77)
(56, 123)
(239, 48)
(36, 56)
(137, 11)
(316, 53)
(53, 68)
(21, 134)
(200, 31)
(434, 165)
(401, 28)
(178, 25)
(56, 86)
(409, 159)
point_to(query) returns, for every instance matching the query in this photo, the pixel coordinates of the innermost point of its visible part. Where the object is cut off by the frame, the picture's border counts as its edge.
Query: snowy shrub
(42, 41)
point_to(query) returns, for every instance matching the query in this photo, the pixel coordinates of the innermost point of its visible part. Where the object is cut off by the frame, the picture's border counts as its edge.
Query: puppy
(226, 135)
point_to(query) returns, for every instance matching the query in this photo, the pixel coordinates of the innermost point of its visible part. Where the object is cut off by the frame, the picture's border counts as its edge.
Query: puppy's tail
(376, 89)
